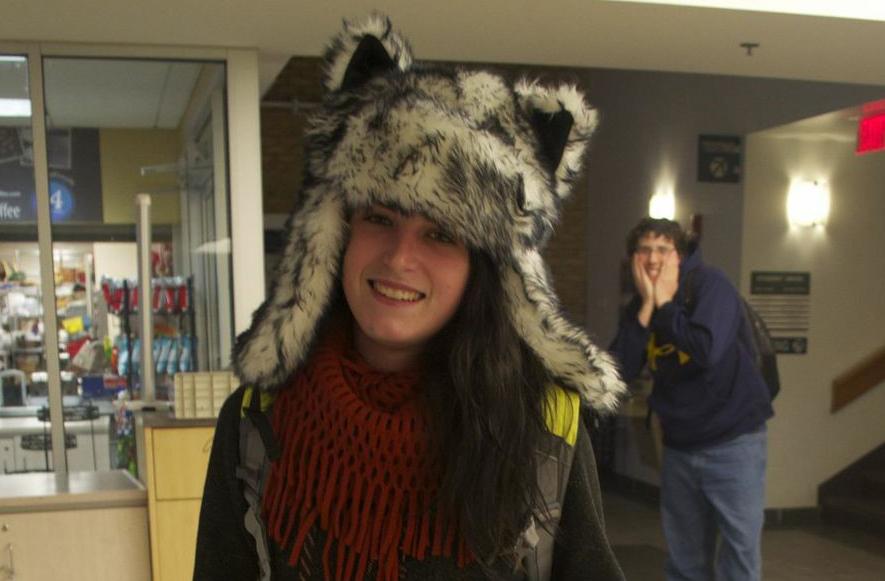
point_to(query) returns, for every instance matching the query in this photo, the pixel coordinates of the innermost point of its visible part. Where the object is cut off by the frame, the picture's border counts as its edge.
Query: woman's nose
(402, 251)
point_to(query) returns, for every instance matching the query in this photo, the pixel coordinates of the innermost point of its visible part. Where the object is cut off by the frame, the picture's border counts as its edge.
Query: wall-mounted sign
(780, 283)
(74, 175)
(790, 345)
(783, 300)
(719, 158)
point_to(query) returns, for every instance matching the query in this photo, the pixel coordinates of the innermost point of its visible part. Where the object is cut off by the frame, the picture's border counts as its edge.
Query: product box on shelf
(201, 394)
(102, 386)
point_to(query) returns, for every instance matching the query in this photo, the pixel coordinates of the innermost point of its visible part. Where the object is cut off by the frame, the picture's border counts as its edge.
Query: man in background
(685, 323)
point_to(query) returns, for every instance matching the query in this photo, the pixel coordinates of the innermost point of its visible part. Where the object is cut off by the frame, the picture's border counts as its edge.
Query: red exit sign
(871, 132)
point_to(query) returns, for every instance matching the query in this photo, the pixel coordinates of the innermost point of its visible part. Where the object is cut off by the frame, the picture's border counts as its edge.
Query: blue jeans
(714, 499)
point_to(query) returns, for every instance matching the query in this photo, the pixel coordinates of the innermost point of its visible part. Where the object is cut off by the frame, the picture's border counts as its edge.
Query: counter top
(168, 420)
(47, 491)
(10, 427)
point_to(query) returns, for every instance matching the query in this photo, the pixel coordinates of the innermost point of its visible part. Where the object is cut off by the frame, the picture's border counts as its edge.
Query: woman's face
(403, 278)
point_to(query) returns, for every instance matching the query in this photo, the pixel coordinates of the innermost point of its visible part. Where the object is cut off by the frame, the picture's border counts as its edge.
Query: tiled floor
(807, 553)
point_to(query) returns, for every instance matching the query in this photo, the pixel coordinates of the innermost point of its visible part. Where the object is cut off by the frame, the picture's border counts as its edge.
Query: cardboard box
(201, 394)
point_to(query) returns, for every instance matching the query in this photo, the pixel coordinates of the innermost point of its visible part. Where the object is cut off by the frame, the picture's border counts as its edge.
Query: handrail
(858, 380)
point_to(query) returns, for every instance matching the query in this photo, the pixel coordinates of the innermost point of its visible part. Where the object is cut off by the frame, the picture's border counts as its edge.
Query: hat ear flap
(363, 51)
(569, 356)
(563, 124)
(285, 325)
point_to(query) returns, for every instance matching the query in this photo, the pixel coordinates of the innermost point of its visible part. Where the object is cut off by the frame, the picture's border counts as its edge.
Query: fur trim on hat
(489, 161)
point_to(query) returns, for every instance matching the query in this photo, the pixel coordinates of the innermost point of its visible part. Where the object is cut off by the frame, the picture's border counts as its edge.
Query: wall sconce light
(808, 203)
(662, 204)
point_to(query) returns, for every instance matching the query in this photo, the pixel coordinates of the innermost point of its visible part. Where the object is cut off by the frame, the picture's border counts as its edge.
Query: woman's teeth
(395, 293)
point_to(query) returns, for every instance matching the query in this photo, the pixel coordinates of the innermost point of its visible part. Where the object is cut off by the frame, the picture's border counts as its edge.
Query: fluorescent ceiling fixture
(5, 58)
(15, 107)
(859, 9)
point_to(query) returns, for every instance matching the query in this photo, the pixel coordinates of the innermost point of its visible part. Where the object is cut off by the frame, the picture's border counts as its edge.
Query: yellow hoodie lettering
(653, 351)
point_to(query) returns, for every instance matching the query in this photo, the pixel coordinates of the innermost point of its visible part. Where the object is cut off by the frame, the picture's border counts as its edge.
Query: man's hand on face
(667, 284)
(646, 289)
(644, 285)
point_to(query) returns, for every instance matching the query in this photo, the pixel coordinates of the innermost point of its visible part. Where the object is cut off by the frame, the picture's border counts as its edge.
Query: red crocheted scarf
(356, 462)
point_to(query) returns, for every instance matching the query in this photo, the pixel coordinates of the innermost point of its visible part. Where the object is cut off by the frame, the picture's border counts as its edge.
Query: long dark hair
(486, 395)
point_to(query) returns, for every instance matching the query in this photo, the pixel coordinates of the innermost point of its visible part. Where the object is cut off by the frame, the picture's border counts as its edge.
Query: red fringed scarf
(356, 460)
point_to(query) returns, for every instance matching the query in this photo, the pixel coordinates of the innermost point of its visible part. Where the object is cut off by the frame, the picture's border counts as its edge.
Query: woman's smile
(397, 293)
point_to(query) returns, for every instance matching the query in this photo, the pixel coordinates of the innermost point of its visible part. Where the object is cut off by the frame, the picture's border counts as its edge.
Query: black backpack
(755, 336)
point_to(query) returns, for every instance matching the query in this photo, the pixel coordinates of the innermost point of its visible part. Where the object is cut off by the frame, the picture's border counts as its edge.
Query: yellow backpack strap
(257, 448)
(534, 550)
(265, 400)
(563, 413)
(255, 413)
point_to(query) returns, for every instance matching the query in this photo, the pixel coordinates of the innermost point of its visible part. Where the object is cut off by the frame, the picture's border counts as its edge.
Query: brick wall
(281, 158)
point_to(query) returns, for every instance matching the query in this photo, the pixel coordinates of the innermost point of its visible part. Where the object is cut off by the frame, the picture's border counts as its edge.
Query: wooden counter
(46, 491)
(173, 456)
(81, 526)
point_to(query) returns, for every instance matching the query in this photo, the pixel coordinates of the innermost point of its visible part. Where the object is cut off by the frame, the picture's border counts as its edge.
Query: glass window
(23, 357)
(119, 130)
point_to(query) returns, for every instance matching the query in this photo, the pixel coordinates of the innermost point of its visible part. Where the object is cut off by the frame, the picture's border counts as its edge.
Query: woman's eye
(379, 219)
(443, 237)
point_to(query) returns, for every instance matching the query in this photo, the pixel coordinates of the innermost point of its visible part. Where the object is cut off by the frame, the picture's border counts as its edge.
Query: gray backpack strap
(534, 550)
(257, 448)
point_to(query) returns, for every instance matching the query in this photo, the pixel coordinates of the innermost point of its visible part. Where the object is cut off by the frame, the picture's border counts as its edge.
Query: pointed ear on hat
(364, 50)
(552, 130)
(563, 123)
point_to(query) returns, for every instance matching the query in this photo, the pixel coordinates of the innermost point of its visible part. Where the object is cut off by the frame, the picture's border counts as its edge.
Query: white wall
(808, 444)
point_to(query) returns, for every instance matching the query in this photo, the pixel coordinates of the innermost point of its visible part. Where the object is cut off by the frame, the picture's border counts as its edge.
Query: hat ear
(369, 59)
(552, 130)
(563, 124)
(364, 50)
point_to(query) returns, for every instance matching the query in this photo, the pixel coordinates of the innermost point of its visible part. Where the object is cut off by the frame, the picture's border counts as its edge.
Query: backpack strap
(534, 550)
(258, 447)
(689, 292)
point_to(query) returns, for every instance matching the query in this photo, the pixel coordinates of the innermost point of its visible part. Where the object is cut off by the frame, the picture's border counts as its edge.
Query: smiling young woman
(410, 406)
(403, 278)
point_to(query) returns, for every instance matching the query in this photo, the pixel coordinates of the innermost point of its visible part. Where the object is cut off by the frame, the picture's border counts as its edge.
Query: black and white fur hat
(488, 160)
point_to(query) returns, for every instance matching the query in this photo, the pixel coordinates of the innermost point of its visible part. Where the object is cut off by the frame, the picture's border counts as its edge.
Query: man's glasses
(663, 251)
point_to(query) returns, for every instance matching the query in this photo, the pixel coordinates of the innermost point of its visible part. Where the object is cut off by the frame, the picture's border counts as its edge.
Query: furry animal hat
(488, 161)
